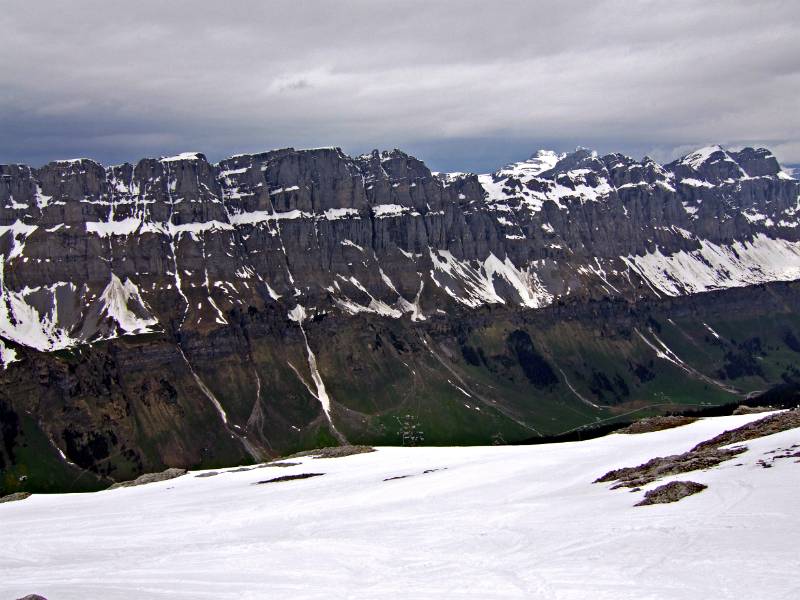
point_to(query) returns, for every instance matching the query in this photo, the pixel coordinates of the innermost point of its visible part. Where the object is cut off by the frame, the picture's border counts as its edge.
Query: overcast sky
(462, 85)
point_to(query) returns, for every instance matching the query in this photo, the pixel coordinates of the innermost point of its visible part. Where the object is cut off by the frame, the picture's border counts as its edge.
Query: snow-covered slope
(481, 522)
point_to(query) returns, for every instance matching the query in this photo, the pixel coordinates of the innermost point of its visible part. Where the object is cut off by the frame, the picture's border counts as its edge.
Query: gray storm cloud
(465, 85)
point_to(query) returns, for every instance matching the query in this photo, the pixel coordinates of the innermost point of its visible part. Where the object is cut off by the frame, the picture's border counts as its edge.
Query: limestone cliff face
(213, 261)
(177, 242)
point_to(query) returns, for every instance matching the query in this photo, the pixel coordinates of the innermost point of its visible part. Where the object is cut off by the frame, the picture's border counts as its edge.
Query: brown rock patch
(657, 424)
(671, 492)
(150, 478)
(14, 497)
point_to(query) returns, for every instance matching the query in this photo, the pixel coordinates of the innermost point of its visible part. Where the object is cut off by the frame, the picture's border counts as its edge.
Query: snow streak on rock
(298, 315)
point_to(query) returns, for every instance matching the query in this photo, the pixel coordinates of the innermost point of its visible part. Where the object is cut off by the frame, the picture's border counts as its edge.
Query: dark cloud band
(461, 83)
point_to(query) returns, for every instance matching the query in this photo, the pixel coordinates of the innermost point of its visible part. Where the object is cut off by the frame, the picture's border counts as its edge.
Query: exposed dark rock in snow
(16, 496)
(751, 410)
(671, 492)
(782, 421)
(150, 478)
(425, 472)
(664, 466)
(289, 478)
(331, 452)
(705, 455)
(657, 424)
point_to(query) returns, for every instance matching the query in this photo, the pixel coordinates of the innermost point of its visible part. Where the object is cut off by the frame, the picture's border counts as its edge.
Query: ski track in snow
(494, 522)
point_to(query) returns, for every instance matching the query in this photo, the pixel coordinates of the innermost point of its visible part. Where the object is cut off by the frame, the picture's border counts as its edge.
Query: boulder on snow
(671, 492)
(15, 496)
(657, 424)
(751, 410)
(333, 452)
(150, 478)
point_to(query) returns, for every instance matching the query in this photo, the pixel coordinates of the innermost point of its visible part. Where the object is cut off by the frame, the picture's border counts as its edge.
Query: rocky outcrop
(664, 466)
(15, 497)
(705, 455)
(781, 421)
(334, 452)
(671, 492)
(751, 410)
(150, 478)
(657, 424)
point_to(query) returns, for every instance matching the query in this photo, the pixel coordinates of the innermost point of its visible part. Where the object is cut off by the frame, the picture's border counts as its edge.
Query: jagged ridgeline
(182, 313)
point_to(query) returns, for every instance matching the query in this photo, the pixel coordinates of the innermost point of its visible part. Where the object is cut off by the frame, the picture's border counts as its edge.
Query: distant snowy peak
(583, 176)
(541, 161)
(579, 176)
(183, 156)
(714, 165)
(450, 178)
(757, 162)
(710, 165)
(705, 155)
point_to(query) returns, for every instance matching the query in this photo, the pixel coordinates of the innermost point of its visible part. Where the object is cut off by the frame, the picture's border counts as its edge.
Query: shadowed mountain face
(181, 313)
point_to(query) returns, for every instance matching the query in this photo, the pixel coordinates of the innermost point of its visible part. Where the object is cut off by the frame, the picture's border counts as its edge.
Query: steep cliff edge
(182, 313)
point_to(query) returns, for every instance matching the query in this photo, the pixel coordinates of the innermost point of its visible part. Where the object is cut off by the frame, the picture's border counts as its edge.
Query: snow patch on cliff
(713, 266)
(7, 355)
(123, 303)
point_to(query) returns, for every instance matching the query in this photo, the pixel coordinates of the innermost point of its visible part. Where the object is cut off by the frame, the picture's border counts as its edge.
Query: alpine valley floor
(471, 522)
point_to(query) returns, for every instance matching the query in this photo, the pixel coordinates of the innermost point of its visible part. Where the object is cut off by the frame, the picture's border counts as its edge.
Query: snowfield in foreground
(486, 522)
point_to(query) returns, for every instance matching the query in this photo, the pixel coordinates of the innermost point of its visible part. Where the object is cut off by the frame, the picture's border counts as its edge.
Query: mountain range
(181, 313)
